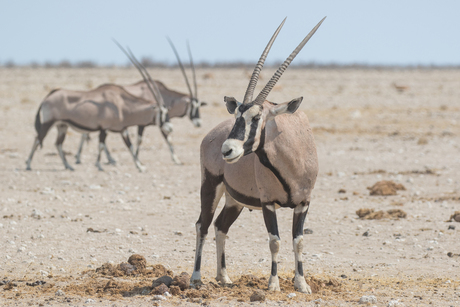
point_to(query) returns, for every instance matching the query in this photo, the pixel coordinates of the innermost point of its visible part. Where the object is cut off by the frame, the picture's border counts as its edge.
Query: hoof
(301, 285)
(274, 283)
(224, 280)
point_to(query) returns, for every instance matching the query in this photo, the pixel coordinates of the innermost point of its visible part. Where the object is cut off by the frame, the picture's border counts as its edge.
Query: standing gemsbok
(106, 108)
(178, 104)
(263, 159)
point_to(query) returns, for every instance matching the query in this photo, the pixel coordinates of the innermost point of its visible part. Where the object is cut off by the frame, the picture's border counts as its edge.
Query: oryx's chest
(250, 183)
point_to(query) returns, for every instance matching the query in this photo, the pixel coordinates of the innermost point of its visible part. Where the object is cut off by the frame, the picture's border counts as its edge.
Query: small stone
(44, 273)
(257, 296)
(307, 231)
(451, 227)
(344, 276)
(395, 303)
(159, 298)
(366, 234)
(291, 295)
(90, 300)
(60, 293)
(368, 299)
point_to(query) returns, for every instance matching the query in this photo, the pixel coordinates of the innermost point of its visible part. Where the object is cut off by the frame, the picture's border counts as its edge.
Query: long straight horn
(193, 70)
(181, 66)
(156, 94)
(153, 87)
(264, 93)
(259, 65)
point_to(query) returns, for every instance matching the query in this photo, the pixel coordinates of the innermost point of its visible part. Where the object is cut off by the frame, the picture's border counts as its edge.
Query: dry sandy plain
(366, 129)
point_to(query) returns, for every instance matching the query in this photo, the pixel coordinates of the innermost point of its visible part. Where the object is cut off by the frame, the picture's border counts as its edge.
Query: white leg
(34, 147)
(300, 213)
(84, 137)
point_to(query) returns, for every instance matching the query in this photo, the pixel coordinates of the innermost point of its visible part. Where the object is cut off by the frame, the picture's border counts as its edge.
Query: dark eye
(256, 118)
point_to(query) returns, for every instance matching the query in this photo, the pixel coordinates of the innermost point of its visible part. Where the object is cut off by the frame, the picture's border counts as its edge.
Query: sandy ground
(369, 125)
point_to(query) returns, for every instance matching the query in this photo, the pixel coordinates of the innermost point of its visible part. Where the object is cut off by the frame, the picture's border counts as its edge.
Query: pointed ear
(231, 104)
(289, 107)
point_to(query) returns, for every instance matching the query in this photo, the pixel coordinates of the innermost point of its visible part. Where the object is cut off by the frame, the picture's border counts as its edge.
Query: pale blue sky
(388, 32)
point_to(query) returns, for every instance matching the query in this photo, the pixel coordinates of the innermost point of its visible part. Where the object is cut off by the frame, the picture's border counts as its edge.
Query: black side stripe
(263, 158)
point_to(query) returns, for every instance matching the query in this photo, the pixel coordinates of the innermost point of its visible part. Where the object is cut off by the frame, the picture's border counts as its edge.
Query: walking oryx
(108, 107)
(263, 159)
(178, 105)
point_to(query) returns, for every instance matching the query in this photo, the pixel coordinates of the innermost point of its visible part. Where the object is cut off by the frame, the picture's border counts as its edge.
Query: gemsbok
(264, 159)
(178, 104)
(107, 108)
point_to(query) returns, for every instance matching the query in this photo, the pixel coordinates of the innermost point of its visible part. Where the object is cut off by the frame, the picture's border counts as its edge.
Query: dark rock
(167, 280)
(307, 231)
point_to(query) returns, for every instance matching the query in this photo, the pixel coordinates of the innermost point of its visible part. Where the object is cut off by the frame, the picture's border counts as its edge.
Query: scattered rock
(385, 188)
(342, 191)
(455, 217)
(291, 295)
(451, 255)
(451, 227)
(95, 230)
(395, 303)
(36, 283)
(167, 280)
(368, 299)
(89, 301)
(307, 231)
(182, 281)
(366, 234)
(60, 293)
(159, 298)
(257, 296)
(369, 214)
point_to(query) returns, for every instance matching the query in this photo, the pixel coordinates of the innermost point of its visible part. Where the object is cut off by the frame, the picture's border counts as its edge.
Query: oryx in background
(178, 104)
(106, 108)
(264, 159)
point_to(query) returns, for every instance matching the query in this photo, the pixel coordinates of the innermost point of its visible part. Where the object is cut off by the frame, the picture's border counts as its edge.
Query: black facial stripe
(247, 146)
(244, 107)
(266, 162)
(239, 129)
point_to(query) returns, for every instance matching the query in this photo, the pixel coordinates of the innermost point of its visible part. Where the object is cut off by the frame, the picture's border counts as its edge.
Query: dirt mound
(136, 265)
(370, 214)
(385, 188)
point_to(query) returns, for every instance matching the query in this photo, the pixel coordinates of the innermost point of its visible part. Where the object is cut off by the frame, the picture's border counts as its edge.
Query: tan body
(106, 108)
(252, 179)
(263, 159)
